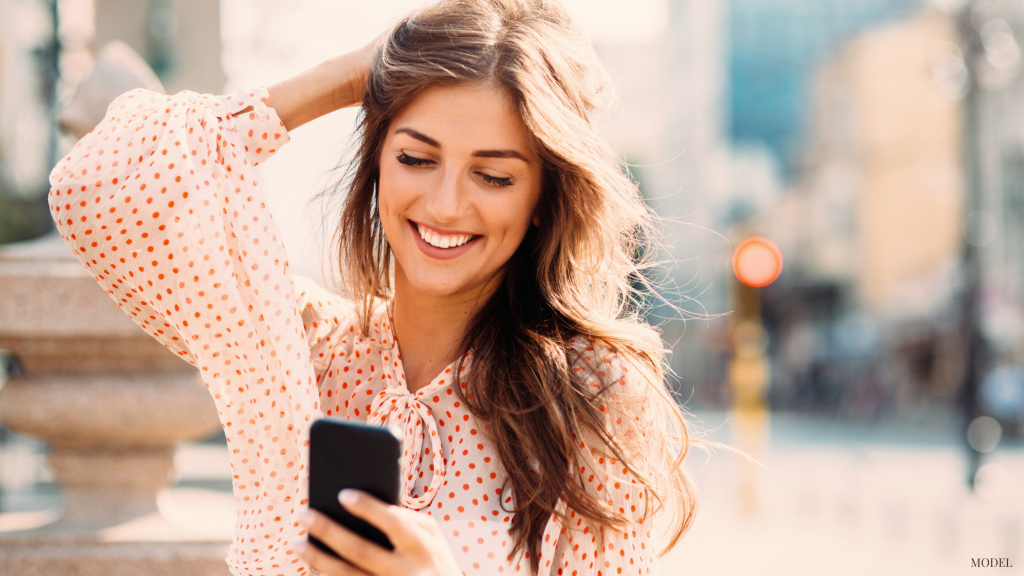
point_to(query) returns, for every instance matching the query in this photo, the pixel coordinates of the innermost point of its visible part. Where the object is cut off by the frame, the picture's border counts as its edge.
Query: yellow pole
(748, 375)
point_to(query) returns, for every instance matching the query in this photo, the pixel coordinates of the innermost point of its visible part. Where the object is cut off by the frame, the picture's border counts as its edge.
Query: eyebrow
(476, 154)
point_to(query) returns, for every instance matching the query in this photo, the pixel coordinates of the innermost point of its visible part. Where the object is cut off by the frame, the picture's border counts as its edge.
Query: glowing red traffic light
(757, 262)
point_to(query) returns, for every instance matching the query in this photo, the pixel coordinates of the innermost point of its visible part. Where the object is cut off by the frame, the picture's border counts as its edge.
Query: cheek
(392, 193)
(513, 220)
(387, 204)
(385, 185)
(396, 188)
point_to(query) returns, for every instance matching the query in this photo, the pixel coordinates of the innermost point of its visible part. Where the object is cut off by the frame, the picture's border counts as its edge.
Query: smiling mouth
(443, 241)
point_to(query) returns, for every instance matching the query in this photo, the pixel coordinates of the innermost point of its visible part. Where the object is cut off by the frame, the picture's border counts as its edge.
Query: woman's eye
(495, 181)
(412, 160)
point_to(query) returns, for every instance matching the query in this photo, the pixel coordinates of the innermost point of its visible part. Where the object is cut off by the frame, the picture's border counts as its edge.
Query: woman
(486, 226)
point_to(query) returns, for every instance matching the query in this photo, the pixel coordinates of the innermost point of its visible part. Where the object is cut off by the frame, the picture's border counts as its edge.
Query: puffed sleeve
(573, 546)
(160, 202)
(329, 320)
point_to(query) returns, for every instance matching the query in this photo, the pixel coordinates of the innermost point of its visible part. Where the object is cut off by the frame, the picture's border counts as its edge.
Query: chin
(438, 289)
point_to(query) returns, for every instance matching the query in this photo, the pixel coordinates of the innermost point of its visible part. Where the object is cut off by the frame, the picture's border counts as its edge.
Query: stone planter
(110, 401)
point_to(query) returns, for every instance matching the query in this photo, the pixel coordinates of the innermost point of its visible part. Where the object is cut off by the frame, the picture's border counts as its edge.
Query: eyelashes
(416, 162)
(411, 161)
(495, 181)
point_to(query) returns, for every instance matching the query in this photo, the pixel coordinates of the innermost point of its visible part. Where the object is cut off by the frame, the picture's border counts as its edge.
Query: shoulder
(617, 388)
(601, 366)
(326, 315)
(612, 453)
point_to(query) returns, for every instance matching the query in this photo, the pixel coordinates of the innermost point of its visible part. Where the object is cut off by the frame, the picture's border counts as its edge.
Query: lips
(440, 253)
(436, 238)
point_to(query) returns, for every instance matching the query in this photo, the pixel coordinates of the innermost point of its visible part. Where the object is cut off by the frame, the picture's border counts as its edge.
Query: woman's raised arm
(160, 202)
(334, 84)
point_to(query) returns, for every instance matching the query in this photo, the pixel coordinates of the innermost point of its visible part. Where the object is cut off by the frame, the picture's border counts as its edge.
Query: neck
(430, 328)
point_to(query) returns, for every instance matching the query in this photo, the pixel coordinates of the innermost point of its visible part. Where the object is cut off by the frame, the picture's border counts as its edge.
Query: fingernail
(306, 518)
(300, 546)
(348, 497)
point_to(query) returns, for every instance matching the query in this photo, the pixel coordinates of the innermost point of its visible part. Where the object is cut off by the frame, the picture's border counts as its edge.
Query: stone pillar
(111, 402)
(179, 38)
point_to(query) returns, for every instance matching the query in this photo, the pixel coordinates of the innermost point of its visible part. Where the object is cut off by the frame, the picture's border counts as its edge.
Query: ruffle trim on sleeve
(259, 130)
(322, 310)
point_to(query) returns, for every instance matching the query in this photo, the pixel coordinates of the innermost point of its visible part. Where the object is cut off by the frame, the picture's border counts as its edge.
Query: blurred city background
(878, 143)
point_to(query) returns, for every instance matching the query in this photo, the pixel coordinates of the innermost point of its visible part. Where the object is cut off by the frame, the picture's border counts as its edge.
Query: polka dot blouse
(160, 202)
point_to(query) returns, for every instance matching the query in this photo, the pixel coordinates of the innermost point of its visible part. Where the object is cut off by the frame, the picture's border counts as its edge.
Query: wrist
(334, 83)
(347, 74)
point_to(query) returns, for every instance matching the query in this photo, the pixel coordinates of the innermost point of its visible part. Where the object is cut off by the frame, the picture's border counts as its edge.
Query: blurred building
(994, 225)
(782, 83)
(780, 115)
(866, 320)
(775, 47)
(905, 208)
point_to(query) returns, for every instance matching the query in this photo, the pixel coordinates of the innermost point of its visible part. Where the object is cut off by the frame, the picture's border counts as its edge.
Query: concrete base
(189, 536)
(124, 559)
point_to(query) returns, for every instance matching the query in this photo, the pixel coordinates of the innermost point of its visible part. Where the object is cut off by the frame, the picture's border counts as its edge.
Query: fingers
(426, 522)
(325, 563)
(387, 518)
(357, 551)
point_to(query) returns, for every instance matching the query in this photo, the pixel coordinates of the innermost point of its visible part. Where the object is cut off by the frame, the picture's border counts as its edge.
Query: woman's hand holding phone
(420, 549)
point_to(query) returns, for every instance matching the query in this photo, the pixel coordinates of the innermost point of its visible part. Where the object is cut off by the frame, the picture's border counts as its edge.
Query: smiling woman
(478, 120)
(485, 225)
(459, 169)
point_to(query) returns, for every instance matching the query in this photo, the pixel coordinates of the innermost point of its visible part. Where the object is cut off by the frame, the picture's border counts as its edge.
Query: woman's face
(459, 185)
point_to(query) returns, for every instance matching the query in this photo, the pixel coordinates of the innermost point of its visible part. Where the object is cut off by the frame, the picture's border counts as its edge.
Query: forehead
(466, 117)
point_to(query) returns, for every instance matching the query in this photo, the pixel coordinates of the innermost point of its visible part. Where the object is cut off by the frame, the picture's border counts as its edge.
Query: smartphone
(349, 455)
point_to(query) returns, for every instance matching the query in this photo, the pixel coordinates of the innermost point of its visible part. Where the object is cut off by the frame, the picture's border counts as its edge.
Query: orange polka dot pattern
(160, 202)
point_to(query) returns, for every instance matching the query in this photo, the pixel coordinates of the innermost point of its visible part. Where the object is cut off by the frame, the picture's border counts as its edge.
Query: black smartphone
(349, 455)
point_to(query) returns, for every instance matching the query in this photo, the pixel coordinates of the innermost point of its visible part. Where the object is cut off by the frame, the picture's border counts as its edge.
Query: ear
(536, 218)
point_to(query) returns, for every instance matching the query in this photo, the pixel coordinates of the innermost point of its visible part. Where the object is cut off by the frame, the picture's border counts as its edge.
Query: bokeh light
(757, 262)
(983, 434)
(990, 481)
(1002, 393)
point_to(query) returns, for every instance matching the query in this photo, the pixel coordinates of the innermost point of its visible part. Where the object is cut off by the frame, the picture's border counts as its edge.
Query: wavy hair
(574, 276)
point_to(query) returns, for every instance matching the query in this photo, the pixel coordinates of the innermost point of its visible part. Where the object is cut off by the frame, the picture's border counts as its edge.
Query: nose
(446, 203)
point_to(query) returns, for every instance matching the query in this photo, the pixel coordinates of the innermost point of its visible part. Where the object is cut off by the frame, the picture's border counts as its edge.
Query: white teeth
(442, 241)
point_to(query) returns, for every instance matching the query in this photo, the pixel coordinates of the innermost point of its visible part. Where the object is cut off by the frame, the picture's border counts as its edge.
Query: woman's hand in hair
(356, 70)
(420, 548)
(335, 83)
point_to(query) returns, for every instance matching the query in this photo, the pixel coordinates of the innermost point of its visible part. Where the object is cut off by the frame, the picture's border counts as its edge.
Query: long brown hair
(571, 278)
